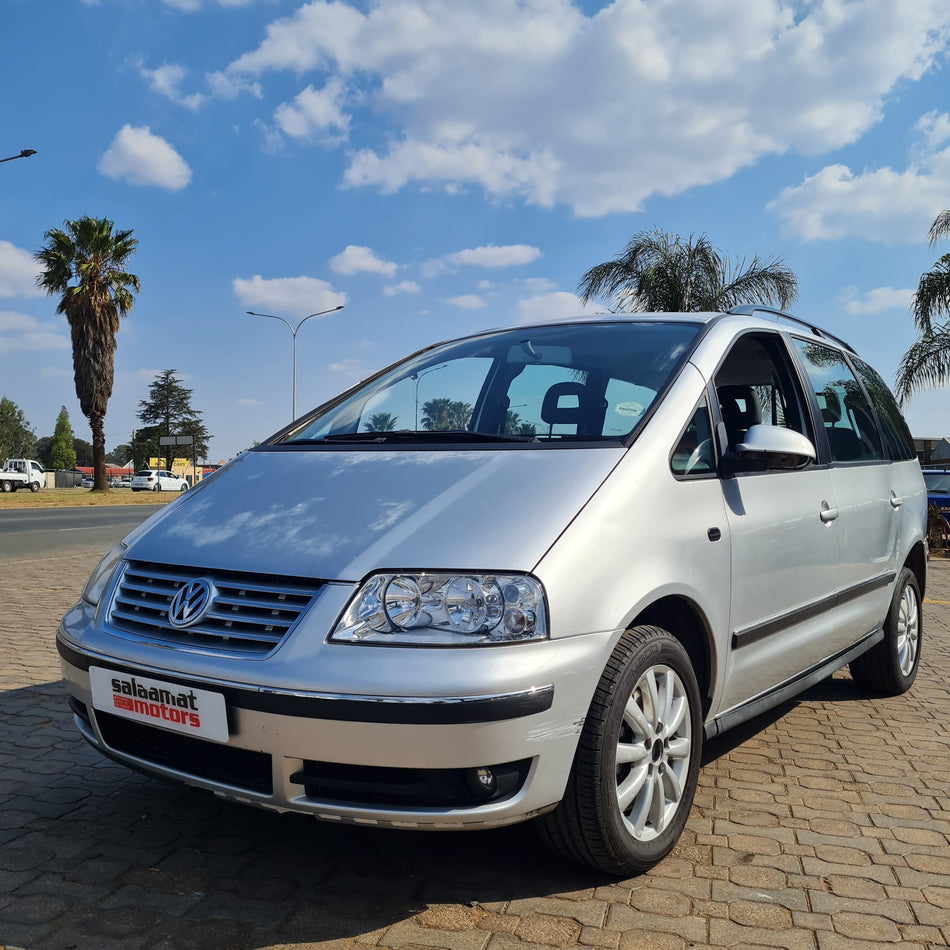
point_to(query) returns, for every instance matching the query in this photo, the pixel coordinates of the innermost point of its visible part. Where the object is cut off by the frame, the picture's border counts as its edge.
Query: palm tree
(927, 362)
(381, 422)
(444, 415)
(86, 265)
(658, 271)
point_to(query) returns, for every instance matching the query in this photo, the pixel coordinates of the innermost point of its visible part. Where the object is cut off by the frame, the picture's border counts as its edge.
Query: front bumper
(410, 757)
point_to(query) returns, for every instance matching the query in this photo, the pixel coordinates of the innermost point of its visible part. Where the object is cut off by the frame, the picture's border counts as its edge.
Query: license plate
(194, 712)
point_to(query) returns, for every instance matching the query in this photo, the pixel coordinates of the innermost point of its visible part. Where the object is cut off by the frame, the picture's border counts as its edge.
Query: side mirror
(774, 447)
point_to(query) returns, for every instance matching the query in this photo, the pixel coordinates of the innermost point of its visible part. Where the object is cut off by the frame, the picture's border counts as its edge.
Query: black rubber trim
(791, 688)
(439, 711)
(747, 635)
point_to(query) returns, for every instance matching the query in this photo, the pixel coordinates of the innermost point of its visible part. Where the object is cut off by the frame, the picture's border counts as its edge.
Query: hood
(339, 515)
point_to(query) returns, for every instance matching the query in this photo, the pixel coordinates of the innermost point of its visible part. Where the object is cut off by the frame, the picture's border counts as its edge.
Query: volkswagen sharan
(520, 575)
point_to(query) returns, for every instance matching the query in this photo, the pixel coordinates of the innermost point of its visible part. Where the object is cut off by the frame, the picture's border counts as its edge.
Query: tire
(157, 486)
(34, 486)
(6, 486)
(183, 488)
(890, 667)
(590, 825)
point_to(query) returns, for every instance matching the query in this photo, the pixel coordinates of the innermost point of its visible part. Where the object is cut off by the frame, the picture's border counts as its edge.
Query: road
(39, 533)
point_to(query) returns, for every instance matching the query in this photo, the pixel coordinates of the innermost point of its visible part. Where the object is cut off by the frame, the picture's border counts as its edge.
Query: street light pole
(416, 377)
(293, 333)
(26, 153)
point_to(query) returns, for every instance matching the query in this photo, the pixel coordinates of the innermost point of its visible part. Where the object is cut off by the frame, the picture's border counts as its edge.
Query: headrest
(740, 406)
(553, 413)
(832, 410)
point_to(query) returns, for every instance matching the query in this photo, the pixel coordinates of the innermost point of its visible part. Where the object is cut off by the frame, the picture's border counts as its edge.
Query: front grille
(249, 614)
(240, 768)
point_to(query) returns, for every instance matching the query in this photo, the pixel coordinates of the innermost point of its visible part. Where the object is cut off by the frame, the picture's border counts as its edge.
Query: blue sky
(440, 167)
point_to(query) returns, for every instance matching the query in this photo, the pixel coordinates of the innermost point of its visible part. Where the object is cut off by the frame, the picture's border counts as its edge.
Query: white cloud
(538, 285)
(935, 129)
(230, 85)
(288, 296)
(18, 272)
(20, 332)
(549, 307)
(493, 255)
(403, 287)
(315, 113)
(166, 80)
(354, 259)
(190, 6)
(249, 402)
(881, 298)
(880, 204)
(141, 158)
(504, 94)
(467, 302)
(354, 369)
(488, 255)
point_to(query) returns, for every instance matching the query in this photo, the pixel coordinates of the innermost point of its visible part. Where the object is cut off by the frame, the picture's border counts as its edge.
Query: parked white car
(154, 479)
(520, 575)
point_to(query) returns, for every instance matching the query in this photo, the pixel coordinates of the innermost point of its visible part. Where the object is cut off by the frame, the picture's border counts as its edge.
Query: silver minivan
(518, 575)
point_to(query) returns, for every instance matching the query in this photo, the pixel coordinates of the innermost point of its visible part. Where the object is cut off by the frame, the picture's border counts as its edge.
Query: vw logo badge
(190, 603)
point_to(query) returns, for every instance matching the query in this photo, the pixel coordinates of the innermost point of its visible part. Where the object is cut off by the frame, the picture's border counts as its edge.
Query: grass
(81, 497)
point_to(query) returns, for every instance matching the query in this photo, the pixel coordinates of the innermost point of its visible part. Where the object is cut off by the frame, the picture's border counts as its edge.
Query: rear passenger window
(849, 420)
(897, 438)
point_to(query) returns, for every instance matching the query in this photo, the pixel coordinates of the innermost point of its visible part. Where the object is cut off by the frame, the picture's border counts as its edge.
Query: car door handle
(895, 501)
(827, 514)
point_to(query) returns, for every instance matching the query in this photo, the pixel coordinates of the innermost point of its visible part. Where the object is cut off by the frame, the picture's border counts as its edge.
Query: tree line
(166, 411)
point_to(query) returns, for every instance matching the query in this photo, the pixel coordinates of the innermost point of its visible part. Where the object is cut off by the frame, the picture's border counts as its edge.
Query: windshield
(569, 383)
(937, 481)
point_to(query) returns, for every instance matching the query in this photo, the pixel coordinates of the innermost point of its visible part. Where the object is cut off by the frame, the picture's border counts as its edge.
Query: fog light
(481, 782)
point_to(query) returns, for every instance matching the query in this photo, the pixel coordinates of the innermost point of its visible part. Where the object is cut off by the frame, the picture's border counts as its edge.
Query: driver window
(755, 386)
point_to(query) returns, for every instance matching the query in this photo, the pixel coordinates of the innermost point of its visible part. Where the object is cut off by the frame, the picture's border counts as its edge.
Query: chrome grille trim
(250, 614)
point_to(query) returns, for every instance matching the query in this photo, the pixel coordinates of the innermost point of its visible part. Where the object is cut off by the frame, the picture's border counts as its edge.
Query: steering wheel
(702, 453)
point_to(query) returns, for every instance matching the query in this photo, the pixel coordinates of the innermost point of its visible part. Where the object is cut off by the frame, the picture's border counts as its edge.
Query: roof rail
(747, 309)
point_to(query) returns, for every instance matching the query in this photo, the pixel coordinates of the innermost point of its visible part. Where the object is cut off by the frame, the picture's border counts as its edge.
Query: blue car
(938, 489)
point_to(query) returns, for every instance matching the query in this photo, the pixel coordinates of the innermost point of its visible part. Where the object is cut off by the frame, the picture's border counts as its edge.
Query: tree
(145, 446)
(514, 425)
(17, 439)
(658, 271)
(445, 414)
(41, 450)
(86, 265)
(927, 362)
(381, 422)
(61, 454)
(121, 454)
(168, 409)
(84, 452)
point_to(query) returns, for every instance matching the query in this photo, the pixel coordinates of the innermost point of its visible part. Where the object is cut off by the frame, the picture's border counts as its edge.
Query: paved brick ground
(824, 825)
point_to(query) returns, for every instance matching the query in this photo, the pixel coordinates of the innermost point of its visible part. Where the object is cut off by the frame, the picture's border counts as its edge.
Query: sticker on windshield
(628, 409)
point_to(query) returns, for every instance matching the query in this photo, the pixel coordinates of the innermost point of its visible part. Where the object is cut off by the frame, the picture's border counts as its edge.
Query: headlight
(96, 584)
(445, 610)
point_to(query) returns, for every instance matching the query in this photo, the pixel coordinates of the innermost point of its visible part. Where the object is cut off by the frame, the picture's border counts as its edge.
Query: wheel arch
(917, 562)
(684, 620)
